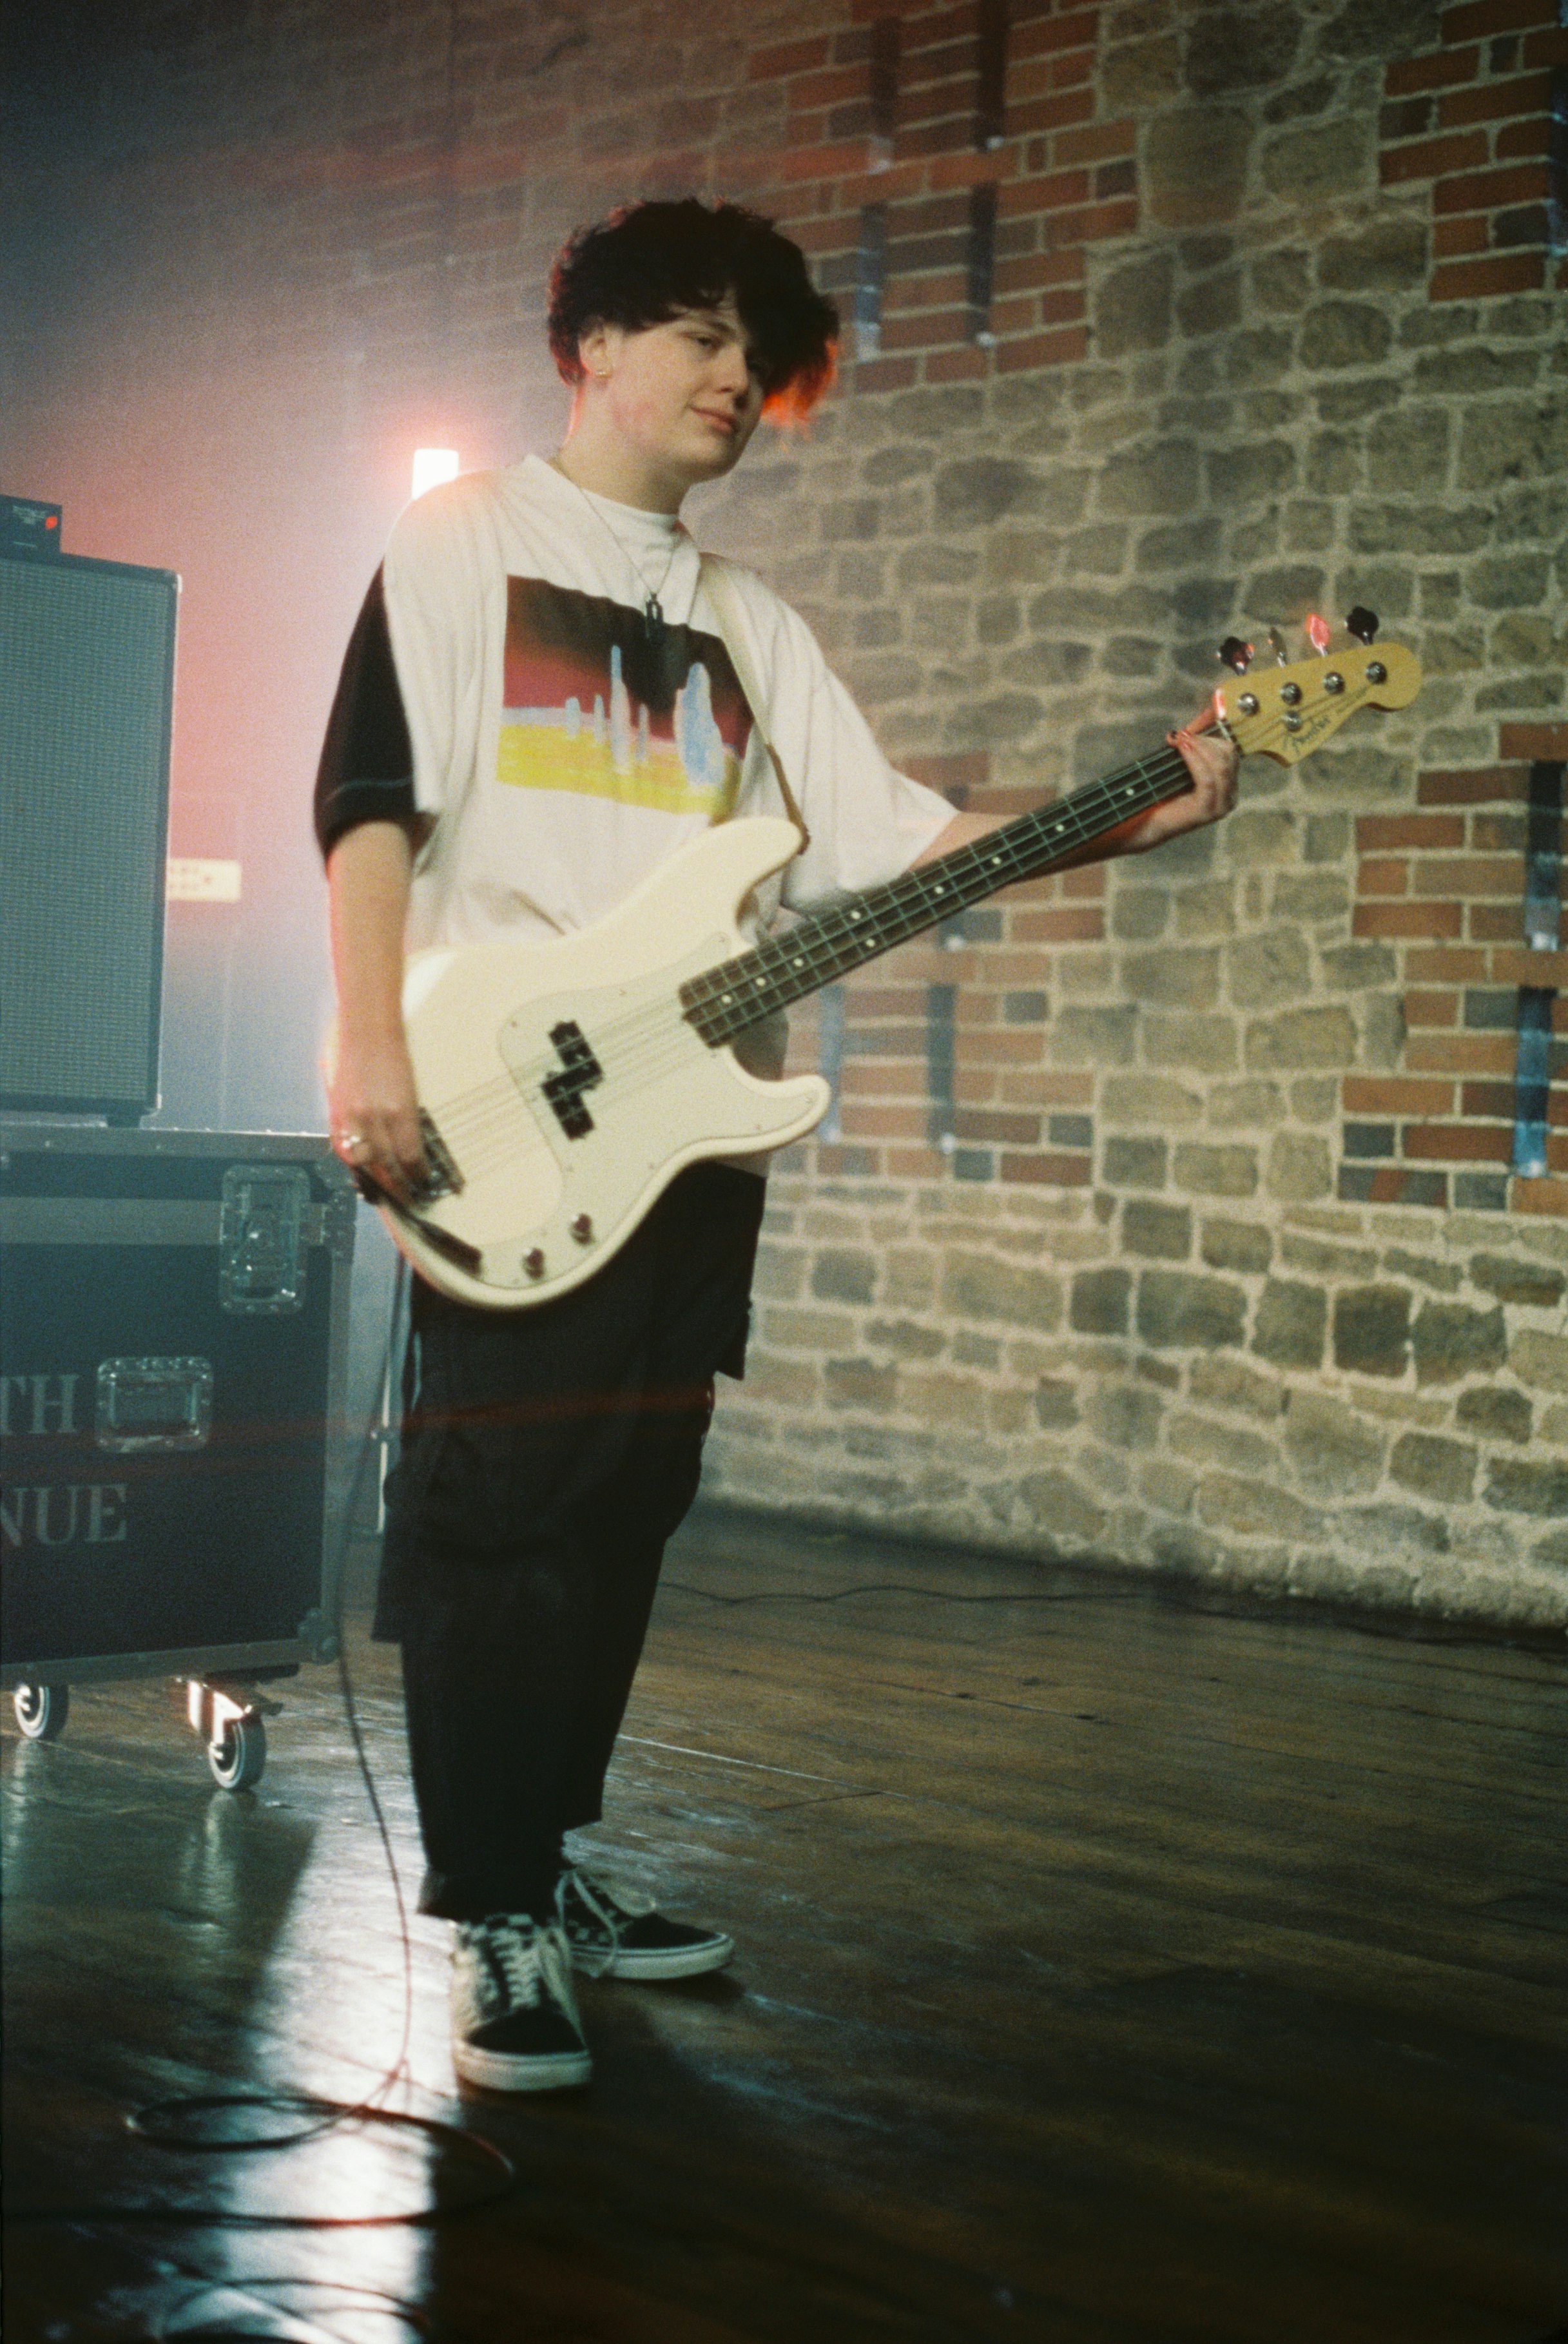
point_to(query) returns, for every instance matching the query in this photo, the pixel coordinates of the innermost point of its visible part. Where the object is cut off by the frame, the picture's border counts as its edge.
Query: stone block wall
(1207, 1213)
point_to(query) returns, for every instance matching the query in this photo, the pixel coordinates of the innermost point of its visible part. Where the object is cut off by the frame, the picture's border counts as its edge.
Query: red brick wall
(1474, 119)
(1445, 887)
(1065, 180)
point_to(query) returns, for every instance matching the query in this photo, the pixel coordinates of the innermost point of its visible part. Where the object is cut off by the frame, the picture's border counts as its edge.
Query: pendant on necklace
(653, 624)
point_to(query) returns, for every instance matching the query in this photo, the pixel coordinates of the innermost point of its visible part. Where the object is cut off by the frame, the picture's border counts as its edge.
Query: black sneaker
(625, 1936)
(515, 2027)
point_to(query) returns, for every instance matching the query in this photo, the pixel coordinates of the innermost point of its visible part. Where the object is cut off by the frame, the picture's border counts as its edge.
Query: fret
(723, 1001)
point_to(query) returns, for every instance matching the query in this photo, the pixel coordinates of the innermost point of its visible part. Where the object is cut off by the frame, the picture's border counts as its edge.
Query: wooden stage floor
(1111, 1971)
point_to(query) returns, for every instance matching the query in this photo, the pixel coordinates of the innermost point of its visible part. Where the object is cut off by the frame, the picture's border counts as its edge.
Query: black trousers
(548, 1454)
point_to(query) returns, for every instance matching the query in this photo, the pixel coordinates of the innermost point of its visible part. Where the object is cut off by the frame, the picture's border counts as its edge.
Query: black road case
(174, 1329)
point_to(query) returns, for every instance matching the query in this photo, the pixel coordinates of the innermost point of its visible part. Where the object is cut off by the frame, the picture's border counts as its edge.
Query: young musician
(538, 706)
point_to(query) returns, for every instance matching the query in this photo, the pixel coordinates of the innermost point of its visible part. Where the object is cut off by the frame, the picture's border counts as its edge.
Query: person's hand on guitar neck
(372, 1103)
(1211, 758)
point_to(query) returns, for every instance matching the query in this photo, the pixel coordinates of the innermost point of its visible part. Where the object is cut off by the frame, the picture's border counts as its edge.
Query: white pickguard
(480, 1020)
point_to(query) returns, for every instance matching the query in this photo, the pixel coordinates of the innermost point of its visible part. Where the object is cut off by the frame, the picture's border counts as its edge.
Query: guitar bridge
(442, 1177)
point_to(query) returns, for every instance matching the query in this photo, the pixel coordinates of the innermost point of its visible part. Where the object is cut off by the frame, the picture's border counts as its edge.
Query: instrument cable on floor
(247, 2293)
(178, 2123)
(894, 1587)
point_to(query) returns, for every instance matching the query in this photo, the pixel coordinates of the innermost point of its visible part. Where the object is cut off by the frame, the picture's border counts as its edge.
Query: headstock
(1287, 712)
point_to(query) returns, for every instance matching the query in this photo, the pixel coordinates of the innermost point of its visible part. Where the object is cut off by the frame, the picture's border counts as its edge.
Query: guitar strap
(726, 603)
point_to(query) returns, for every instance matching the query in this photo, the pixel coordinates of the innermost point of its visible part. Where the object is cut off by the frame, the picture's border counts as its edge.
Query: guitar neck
(724, 1000)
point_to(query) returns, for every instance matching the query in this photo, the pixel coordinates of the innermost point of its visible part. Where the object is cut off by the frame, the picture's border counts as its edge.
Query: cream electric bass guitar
(563, 1086)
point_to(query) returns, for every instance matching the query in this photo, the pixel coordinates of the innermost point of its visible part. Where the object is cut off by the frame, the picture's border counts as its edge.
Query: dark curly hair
(648, 263)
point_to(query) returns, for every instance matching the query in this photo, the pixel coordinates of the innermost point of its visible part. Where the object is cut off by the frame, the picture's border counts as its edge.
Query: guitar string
(793, 971)
(842, 937)
(910, 908)
(794, 966)
(495, 1133)
(845, 938)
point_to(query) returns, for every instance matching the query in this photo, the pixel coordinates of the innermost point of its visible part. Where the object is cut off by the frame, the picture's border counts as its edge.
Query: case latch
(153, 1404)
(262, 1237)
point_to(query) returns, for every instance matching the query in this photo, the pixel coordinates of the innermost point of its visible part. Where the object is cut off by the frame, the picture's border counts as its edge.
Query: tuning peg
(1362, 623)
(1277, 646)
(1236, 654)
(1319, 633)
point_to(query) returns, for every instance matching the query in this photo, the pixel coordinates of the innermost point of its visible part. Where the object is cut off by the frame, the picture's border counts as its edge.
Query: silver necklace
(652, 607)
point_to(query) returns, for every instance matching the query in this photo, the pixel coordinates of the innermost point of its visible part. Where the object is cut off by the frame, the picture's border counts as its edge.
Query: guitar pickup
(578, 1071)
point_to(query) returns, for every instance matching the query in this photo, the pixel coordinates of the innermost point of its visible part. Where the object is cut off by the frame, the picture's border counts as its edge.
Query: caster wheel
(42, 1710)
(237, 1758)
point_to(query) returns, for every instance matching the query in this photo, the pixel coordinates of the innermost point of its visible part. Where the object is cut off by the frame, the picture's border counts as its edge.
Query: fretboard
(724, 1000)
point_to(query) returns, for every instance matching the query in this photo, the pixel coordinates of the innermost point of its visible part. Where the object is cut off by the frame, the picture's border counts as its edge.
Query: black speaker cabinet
(86, 690)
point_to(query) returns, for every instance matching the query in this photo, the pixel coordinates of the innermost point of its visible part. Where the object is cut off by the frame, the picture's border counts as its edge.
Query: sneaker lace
(513, 1956)
(526, 1960)
(609, 1914)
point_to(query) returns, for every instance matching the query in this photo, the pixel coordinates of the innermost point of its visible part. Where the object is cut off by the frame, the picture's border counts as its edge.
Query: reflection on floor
(1110, 1969)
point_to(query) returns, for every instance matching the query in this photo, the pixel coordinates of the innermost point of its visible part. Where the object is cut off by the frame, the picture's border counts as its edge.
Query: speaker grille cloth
(84, 662)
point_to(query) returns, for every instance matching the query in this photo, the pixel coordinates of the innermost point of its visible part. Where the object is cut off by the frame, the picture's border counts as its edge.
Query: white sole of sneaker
(496, 2071)
(689, 1961)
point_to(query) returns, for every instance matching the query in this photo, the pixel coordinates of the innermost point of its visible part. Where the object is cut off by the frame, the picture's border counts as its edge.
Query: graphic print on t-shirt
(595, 703)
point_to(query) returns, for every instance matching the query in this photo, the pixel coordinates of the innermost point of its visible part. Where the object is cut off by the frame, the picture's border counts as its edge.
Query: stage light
(432, 466)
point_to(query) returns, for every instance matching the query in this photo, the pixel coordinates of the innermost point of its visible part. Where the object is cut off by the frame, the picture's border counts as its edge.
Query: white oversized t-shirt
(563, 748)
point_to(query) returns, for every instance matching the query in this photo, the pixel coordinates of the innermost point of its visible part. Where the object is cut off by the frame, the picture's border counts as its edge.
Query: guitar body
(564, 1084)
(550, 1181)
